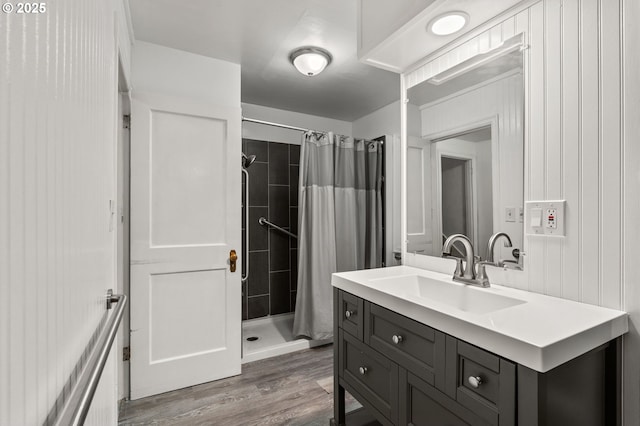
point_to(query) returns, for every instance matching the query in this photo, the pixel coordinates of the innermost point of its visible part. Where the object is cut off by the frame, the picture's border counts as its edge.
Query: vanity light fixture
(448, 23)
(310, 61)
(506, 47)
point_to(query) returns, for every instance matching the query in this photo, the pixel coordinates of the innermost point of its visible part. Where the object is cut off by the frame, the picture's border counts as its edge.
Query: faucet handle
(458, 260)
(481, 276)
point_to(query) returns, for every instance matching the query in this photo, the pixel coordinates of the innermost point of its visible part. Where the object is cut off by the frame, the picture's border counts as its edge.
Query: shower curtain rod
(284, 126)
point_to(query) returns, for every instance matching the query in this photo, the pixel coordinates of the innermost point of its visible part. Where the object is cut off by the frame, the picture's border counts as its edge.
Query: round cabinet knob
(349, 314)
(363, 370)
(475, 382)
(396, 338)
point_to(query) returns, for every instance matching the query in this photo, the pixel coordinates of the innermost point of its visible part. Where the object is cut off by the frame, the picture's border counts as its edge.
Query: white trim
(498, 19)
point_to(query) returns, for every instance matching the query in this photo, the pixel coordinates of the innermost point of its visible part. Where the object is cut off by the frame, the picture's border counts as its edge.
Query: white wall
(582, 94)
(277, 134)
(162, 70)
(58, 96)
(384, 121)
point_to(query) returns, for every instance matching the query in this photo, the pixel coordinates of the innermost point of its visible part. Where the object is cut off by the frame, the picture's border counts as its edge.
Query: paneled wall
(581, 91)
(58, 91)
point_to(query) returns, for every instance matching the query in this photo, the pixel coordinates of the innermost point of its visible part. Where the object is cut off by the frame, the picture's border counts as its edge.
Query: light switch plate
(552, 220)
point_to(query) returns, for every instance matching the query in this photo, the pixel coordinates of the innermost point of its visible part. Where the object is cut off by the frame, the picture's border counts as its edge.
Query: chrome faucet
(491, 246)
(468, 273)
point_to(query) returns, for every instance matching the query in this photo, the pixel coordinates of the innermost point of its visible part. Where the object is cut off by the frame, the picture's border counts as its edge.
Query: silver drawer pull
(475, 382)
(363, 370)
(349, 314)
(396, 338)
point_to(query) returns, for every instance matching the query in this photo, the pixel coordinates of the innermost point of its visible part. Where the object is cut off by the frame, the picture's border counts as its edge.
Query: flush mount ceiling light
(310, 61)
(448, 23)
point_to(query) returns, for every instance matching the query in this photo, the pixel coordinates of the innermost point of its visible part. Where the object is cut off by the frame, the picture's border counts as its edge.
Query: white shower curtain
(339, 226)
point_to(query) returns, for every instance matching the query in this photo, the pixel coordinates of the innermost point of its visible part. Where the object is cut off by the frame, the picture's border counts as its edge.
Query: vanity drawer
(370, 374)
(350, 313)
(481, 382)
(413, 345)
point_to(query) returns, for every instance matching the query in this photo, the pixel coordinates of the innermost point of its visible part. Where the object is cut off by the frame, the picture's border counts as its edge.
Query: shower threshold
(274, 337)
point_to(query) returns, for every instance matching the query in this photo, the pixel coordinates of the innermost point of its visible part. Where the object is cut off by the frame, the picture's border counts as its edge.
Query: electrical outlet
(551, 218)
(545, 218)
(510, 214)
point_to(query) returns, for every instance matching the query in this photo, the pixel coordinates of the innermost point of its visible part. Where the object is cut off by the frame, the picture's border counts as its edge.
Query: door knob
(233, 257)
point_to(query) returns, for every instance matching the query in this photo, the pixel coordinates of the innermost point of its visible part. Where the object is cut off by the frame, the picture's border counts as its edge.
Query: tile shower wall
(273, 256)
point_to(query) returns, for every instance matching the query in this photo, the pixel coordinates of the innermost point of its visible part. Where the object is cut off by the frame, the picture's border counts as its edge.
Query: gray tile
(294, 154)
(293, 185)
(279, 205)
(245, 315)
(258, 282)
(258, 306)
(280, 299)
(258, 148)
(258, 234)
(293, 220)
(258, 185)
(278, 251)
(278, 163)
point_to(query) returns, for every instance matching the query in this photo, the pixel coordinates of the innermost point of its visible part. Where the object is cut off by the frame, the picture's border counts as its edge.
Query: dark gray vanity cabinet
(407, 373)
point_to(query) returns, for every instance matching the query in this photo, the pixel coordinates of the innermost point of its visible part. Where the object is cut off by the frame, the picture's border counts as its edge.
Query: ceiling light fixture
(310, 61)
(448, 23)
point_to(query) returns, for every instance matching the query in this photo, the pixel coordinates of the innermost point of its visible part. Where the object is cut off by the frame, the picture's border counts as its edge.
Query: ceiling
(259, 35)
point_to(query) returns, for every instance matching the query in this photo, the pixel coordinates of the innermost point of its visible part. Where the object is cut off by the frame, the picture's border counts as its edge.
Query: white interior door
(419, 211)
(185, 220)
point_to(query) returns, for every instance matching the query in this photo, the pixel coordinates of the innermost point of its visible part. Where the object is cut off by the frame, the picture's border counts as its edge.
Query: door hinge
(126, 121)
(126, 353)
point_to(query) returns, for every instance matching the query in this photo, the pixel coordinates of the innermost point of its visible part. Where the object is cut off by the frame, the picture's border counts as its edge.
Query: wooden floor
(292, 389)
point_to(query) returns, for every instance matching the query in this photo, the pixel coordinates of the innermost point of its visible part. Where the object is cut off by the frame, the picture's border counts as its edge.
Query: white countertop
(540, 332)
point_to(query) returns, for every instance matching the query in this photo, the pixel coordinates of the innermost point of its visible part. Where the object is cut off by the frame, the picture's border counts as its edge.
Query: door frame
(493, 123)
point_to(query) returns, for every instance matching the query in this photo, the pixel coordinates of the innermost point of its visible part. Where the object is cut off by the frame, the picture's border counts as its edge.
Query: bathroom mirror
(465, 156)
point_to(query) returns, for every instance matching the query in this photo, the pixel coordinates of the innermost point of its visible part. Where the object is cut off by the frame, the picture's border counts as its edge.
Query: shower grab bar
(79, 400)
(245, 259)
(262, 221)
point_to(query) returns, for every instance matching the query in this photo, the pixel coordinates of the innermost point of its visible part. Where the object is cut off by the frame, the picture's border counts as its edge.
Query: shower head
(247, 161)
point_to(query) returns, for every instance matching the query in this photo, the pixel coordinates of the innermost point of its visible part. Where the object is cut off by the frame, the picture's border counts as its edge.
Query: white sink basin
(458, 296)
(537, 331)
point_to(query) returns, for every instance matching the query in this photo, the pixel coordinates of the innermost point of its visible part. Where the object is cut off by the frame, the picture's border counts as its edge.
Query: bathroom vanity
(415, 348)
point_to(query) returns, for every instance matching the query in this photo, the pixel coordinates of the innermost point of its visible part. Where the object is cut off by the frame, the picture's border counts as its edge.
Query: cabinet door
(423, 405)
(370, 375)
